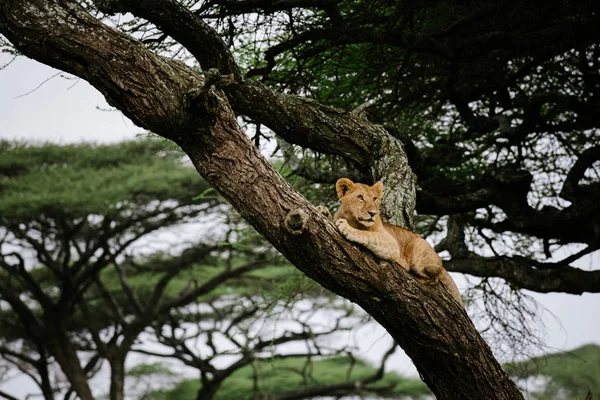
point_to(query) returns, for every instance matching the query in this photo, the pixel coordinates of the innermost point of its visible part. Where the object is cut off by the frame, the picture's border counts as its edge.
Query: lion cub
(358, 221)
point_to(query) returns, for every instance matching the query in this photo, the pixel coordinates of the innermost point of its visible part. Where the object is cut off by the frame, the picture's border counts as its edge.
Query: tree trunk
(66, 357)
(207, 391)
(46, 385)
(117, 378)
(168, 98)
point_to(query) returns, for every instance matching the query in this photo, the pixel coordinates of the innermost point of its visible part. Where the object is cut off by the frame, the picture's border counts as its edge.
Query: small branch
(5, 351)
(110, 300)
(214, 79)
(361, 111)
(7, 396)
(101, 347)
(21, 272)
(338, 389)
(173, 267)
(129, 292)
(567, 260)
(211, 284)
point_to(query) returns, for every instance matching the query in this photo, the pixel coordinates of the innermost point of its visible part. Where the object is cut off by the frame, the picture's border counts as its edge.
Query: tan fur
(358, 220)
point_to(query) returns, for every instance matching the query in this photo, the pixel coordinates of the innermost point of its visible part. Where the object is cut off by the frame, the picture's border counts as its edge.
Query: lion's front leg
(349, 232)
(380, 243)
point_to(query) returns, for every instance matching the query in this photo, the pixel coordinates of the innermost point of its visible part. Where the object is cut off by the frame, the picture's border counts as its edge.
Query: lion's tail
(447, 281)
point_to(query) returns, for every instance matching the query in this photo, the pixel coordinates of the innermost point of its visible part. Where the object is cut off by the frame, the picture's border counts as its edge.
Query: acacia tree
(468, 58)
(61, 231)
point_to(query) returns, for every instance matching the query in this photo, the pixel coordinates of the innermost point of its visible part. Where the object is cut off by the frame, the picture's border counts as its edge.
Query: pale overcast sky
(66, 111)
(60, 110)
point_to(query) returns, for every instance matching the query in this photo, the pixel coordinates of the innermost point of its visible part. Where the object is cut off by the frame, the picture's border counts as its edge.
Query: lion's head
(360, 202)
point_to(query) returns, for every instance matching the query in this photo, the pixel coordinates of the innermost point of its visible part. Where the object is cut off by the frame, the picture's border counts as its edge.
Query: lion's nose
(372, 213)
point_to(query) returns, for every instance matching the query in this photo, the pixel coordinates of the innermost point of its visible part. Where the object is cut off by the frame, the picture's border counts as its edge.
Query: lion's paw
(324, 211)
(344, 228)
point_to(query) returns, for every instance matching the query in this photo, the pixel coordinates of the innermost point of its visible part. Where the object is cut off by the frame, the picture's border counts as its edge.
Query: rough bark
(168, 98)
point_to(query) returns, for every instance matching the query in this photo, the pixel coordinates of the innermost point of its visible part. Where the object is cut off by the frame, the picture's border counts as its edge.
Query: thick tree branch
(586, 159)
(520, 273)
(508, 189)
(296, 119)
(183, 25)
(428, 203)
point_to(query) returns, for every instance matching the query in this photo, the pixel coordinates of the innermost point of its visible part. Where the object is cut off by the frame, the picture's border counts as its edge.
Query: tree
(286, 380)
(562, 375)
(86, 280)
(473, 88)
(78, 210)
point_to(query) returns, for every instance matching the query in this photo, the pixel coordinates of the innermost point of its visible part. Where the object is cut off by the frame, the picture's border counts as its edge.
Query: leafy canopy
(76, 181)
(565, 375)
(279, 376)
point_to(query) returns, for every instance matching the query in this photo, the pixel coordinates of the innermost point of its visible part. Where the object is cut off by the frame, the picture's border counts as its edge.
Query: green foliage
(268, 279)
(75, 202)
(283, 375)
(141, 370)
(569, 374)
(76, 181)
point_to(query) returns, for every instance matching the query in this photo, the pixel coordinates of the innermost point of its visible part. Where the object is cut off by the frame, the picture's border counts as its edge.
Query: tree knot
(205, 101)
(214, 78)
(295, 221)
(362, 111)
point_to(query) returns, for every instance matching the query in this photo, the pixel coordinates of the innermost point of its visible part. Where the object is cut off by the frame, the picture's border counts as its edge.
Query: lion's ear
(343, 186)
(378, 187)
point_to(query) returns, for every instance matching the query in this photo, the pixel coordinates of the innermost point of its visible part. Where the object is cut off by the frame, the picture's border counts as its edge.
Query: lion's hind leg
(428, 274)
(425, 262)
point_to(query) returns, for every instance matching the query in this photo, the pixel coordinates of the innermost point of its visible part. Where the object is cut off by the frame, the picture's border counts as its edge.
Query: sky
(36, 104)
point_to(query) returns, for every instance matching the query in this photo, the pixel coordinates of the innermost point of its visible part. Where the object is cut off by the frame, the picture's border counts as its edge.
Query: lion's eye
(361, 198)
(374, 198)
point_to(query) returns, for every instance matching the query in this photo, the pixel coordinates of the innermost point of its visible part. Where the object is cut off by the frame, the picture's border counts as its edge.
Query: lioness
(358, 221)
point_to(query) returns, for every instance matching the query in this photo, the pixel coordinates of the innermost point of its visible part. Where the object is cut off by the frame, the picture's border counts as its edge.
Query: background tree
(89, 277)
(476, 101)
(68, 213)
(562, 375)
